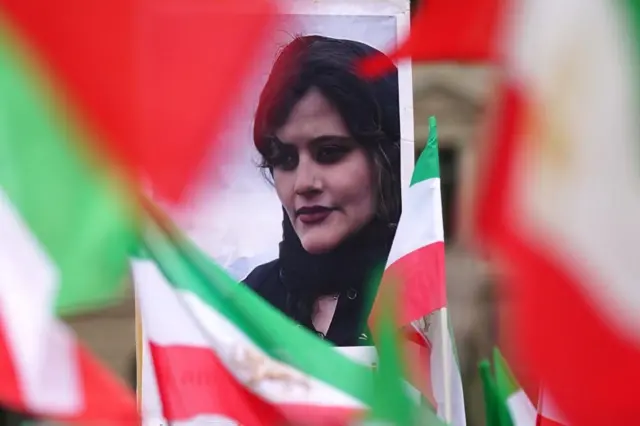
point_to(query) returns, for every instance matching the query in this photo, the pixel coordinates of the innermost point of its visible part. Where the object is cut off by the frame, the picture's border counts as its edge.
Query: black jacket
(348, 327)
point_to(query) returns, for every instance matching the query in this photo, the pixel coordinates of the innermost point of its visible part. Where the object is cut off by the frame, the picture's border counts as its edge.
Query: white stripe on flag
(419, 226)
(43, 350)
(455, 397)
(521, 409)
(173, 317)
(201, 421)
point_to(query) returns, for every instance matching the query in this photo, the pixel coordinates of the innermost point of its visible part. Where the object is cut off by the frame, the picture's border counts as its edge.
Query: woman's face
(323, 178)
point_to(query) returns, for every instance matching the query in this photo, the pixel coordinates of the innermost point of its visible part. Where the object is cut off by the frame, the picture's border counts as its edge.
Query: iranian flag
(65, 234)
(416, 260)
(495, 407)
(520, 408)
(416, 266)
(506, 403)
(219, 352)
(560, 201)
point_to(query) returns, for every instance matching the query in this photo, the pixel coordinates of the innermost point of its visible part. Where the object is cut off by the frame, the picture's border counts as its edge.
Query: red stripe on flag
(495, 179)
(314, 415)
(154, 80)
(192, 381)
(417, 349)
(543, 421)
(194, 64)
(10, 390)
(104, 397)
(493, 182)
(558, 331)
(414, 336)
(431, 37)
(87, 54)
(419, 365)
(421, 277)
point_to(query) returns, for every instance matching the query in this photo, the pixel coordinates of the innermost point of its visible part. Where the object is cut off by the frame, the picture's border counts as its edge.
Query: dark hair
(370, 108)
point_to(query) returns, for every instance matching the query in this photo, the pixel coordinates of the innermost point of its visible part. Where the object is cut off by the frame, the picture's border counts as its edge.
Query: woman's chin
(319, 244)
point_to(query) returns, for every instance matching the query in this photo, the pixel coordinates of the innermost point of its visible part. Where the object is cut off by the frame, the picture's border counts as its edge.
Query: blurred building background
(457, 96)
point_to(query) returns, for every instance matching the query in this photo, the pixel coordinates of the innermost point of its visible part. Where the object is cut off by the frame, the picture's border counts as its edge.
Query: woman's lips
(313, 218)
(313, 215)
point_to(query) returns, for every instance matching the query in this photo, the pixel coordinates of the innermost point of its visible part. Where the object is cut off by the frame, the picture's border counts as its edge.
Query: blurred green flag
(506, 403)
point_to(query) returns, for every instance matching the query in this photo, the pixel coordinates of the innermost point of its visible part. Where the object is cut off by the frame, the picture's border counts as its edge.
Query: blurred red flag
(553, 204)
(152, 79)
(446, 30)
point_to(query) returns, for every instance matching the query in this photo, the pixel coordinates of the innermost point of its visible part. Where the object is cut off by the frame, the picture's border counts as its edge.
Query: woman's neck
(348, 268)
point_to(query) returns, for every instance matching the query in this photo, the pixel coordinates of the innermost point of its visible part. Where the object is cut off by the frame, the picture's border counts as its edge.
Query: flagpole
(446, 367)
(139, 357)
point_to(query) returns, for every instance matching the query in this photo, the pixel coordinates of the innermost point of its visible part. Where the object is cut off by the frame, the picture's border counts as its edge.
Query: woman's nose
(307, 178)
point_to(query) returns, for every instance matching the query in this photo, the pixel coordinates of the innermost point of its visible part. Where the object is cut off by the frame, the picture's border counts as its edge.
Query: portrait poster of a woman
(330, 144)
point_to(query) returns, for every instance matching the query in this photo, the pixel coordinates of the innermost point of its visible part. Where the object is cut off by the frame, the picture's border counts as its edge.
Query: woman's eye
(331, 154)
(286, 161)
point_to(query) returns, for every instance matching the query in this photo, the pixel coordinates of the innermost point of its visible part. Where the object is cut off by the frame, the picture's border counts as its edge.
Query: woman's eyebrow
(316, 140)
(277, 141)
(330, 138)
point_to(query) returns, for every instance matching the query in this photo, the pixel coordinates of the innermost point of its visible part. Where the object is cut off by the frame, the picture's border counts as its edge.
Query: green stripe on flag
(496, 410)
(72, 209)
(505, 381)
(188, 269)
(428, 165)
(631, 11)
(392, 404)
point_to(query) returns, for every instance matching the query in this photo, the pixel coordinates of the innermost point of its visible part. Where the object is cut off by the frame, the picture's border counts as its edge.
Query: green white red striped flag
(416, 260)
(65, 235)
(416, 266)
(506, 403)
(219, 351)
(521, 410)
(559, 201)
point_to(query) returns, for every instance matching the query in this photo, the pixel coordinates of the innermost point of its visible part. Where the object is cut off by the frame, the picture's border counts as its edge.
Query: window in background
(449, 159)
